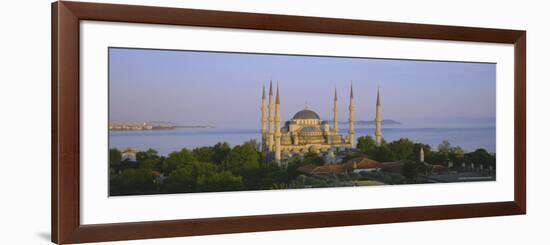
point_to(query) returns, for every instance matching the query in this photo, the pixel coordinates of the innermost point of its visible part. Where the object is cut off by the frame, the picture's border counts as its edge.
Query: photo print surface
(195, 121)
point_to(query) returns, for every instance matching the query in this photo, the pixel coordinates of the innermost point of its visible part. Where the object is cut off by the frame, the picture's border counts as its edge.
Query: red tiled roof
(367, 163)
(325, 169)
(362, 163)
(352, 164)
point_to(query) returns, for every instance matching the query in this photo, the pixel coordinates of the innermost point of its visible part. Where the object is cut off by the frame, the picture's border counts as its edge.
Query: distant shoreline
(150, 126)
(194, 126)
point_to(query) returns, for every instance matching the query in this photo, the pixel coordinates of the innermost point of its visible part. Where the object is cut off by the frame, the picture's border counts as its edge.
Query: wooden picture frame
(65, 174)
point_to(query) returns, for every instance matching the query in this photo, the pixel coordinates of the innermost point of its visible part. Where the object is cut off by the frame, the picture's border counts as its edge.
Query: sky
(217, 88)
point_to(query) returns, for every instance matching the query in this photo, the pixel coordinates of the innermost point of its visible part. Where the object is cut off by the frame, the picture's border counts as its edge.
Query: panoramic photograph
(203, 121)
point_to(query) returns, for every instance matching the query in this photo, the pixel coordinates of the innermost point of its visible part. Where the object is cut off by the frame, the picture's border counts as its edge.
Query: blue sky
(215, 88)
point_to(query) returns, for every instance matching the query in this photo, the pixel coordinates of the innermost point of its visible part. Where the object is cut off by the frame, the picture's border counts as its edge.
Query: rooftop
(306, 114)
(325, 169)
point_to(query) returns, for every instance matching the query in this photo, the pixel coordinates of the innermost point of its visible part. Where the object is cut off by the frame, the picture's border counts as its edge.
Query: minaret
(378, 119)
(264, 120)
(335, 111)
(421, 154)
(271, 119)
(277, 127)
(351, 130)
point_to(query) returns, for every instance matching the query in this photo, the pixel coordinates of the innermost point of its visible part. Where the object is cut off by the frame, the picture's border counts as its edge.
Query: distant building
(306, 132)
(365, 164)
(129, 155)
(362, 164)
(355, 165)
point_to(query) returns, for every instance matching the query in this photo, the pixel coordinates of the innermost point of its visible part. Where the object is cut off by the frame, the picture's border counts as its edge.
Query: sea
(467, 137)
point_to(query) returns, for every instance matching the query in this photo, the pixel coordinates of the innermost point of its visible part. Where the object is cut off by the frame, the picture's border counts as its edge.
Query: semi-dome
(306, 114)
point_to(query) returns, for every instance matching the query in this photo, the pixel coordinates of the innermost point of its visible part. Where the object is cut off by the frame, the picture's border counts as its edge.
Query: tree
(292, 167)
(181, 179)
(221, 181)
(201, 168)
(456, 156)
(133, 181)
(351, 155)
(204, 154)
(366, 144)
(175, 159)
(151, 164)
(481, 157)
(242, 157)
(254, 143)
(383, 153)
(221, 151)
(149, 154)
(457, 151)
(402, 149)
(444, 148)
(184, 177)
(275, 175)
(313, 158)
(264, 177)
(434, 157)
(447, 152)
(114, 160)
(410, 171)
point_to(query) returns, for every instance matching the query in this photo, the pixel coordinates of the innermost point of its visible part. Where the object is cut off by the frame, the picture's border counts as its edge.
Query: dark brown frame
(65, 175)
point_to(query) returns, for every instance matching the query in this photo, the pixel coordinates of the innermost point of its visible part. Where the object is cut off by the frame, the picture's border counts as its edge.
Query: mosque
(306, 132)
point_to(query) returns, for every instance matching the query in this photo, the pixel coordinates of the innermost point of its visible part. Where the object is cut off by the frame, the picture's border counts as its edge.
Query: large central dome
(306, 114)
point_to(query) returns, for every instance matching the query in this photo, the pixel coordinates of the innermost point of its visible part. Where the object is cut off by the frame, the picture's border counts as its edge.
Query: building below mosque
(306, 132)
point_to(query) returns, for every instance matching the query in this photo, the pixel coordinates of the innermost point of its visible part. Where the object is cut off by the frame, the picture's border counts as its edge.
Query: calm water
(166, 141)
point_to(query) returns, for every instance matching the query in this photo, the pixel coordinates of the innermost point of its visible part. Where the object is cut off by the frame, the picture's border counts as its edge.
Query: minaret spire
(264, 120)
(271, 117)
(351, 130)
(421, 154)
(335, 111)
(277, 100)
(378, 120)
(378, 97)
(277, 127)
